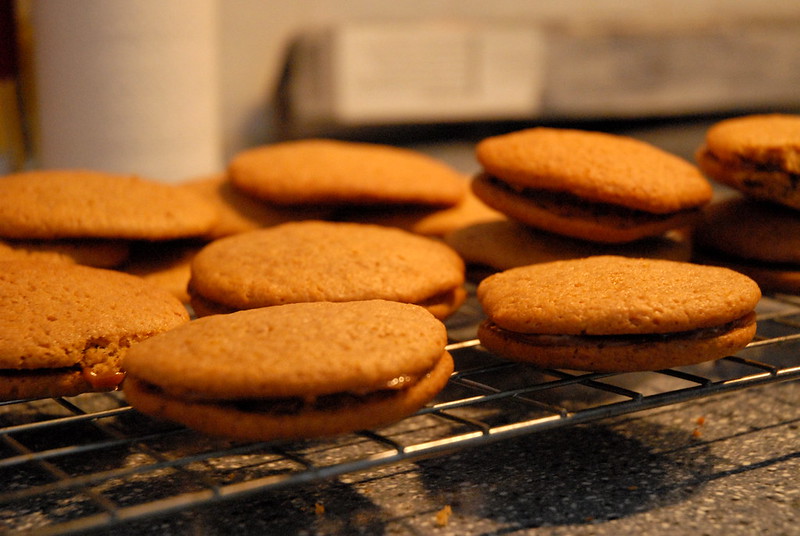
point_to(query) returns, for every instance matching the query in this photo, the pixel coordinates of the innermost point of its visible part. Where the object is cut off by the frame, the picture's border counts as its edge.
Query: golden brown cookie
(759, 155)
(293, 371)
(330, 172)
(64, 328)
(325, 261)
(617, 314)
(51, 204)
(758, 238)
(430, 221)
(98, 253)
(240, 212)
(505, 244)
(588, 185)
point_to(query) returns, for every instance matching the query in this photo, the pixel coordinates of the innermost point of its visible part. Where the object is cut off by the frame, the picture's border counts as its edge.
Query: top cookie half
(305, 349)
(325, 261)
(61, 315)
(329, 172)
(610, 295)
(49, 204)
(588, 185)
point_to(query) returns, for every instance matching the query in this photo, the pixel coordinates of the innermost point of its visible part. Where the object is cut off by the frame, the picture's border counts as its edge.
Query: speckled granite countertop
(724, 465)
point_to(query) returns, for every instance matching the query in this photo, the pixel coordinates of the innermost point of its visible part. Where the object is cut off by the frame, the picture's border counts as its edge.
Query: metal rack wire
(90, 461)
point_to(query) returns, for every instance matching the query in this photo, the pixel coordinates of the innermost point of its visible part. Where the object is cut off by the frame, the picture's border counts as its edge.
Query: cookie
(758, 238)
(617, 314)
(758, 155)
(57, 204)
(427, 221)
(504, 244)
(292, 371)
(588, 185)
(331, 172)
(98, 253)
(64, 331)
(325, 261)
(239, 212)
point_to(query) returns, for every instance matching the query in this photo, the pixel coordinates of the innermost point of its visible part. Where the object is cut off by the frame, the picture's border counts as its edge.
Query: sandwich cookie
(588, 185)
(59, 204)
(325, 261)
(64, 330)
(293, 371)
(757, 238)
(758, 155)
(330, 172)
(617, 314)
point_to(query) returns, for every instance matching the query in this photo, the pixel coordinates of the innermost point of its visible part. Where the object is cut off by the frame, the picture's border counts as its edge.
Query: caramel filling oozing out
(103, 379)
(100, 379)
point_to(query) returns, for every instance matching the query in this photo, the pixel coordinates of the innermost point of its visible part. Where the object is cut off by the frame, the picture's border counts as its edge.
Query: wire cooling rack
(92, 462)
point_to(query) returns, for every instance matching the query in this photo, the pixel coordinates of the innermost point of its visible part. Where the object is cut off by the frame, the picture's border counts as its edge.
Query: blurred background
(172, 89)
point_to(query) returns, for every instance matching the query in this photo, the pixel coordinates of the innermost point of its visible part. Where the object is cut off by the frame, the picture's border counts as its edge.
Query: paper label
(435, 72)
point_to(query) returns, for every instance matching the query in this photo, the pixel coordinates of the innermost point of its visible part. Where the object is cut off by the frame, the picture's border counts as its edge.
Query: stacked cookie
(592, 191)
(754, 230)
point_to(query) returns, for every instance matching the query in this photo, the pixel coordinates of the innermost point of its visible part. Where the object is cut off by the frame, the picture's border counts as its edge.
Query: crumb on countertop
(443, 516)
(700, 422)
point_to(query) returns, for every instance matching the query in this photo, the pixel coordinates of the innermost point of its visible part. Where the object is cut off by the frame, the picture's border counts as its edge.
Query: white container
(128, 87)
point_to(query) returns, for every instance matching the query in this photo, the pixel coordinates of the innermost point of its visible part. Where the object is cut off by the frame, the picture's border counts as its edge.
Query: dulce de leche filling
(103, 378)
(538, 339)
(570, 205)
(776, 161)
(296, 404)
